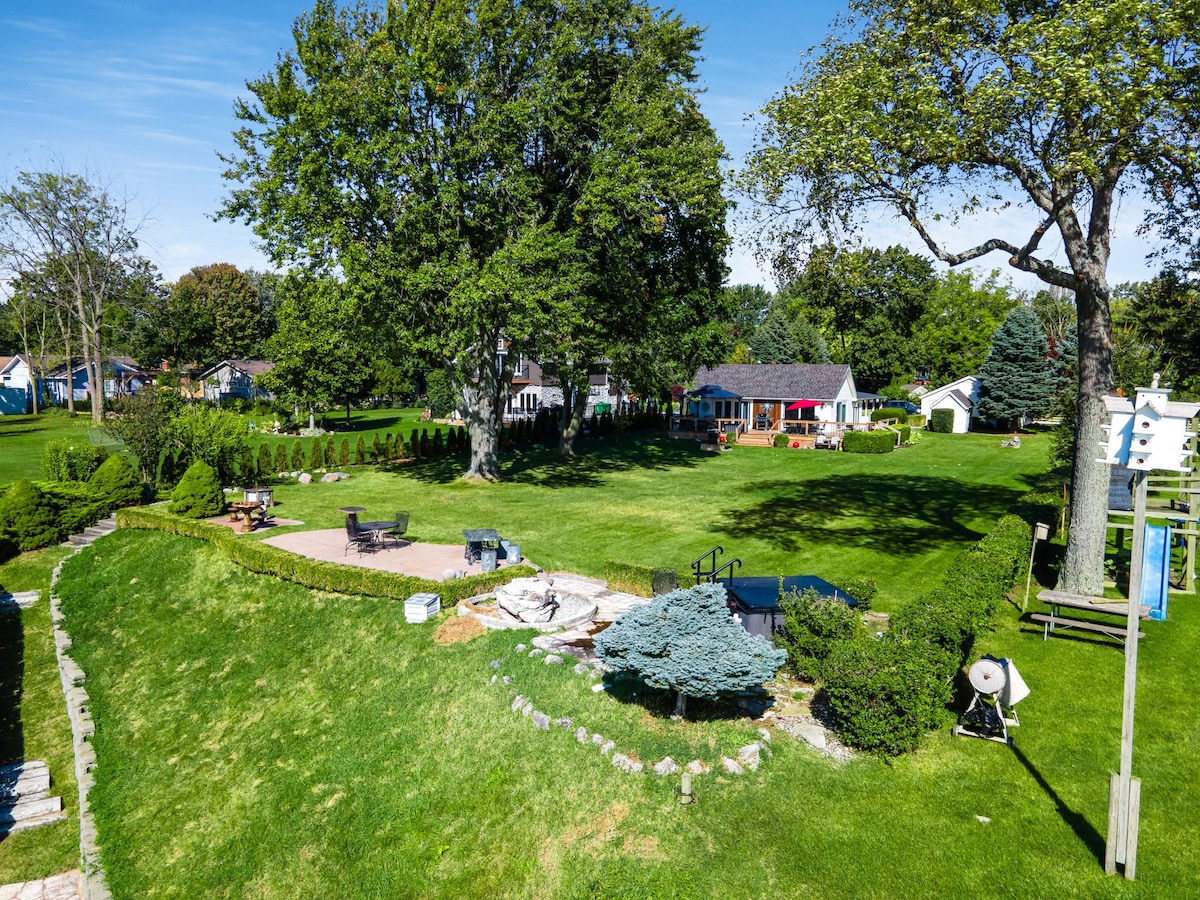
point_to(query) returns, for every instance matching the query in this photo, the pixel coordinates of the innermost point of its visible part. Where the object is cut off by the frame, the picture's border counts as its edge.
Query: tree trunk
(680, 704)
(570, 423)
(484, 412)
(1083, 566)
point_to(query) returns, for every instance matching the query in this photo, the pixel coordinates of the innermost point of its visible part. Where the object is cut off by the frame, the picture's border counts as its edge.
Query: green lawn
(259, 740)
(33, 720)
(23, 437)
(897, 518)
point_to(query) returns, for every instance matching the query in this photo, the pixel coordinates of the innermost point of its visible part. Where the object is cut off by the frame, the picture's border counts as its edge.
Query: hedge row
(634, 578)
(34, 515)
(316, 574)
(890, 412)
(881, 440)
(886, 693)
(942, 421)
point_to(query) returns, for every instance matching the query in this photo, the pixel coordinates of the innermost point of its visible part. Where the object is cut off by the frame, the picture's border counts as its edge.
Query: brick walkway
(59, 887)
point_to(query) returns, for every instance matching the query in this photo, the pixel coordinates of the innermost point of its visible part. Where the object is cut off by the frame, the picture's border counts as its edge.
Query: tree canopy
(495, 176)
(1057, 106)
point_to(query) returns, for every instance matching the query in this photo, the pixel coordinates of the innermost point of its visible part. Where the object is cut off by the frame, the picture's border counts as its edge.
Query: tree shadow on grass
(891, 513)
(543, 467)
(660, 703)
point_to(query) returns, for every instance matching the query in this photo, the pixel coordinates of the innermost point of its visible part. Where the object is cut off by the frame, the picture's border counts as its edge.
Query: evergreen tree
(344, 456)
(360, 452)
(376, 450)
(688, 642)
(281, 458)
(330, 452)
(414, 445)
(774, 340)
(399, 446)
(389, 447)
(264, 459)
(297, 456)
(1016, 379)
(316, 456)
(246, 467)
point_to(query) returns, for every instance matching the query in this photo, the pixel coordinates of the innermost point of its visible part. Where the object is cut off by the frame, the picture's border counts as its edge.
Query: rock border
(93, 885)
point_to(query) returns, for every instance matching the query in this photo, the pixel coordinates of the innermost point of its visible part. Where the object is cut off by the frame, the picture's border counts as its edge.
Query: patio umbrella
(805, 404)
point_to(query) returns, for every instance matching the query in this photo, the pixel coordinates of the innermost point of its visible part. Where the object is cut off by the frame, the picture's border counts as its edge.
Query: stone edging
(748, 757)
(92, 882)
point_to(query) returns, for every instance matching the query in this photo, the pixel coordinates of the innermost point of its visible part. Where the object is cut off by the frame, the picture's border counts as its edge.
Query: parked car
(904, 405)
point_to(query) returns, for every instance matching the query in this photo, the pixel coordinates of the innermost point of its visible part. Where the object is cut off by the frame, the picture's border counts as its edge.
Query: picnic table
(1064, 599)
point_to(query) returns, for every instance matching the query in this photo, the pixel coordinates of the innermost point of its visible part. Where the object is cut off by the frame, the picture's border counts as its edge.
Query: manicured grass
(259, 740)
(33, 720)
(22, 439)
(897, 518)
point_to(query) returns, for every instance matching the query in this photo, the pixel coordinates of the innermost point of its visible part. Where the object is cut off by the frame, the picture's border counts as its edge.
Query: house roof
(7, 362)
(125, 363)
(251, 367)
(778, 382)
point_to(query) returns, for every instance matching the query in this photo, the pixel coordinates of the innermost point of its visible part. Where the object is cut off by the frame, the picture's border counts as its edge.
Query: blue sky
(141, 94)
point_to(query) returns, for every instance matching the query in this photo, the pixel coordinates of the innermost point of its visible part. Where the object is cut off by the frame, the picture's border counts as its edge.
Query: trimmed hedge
(780, 440)
(942, 421)
(311, 573)
(637, 579)
(879, 441)
(890, 412)
(905, 433)
(29, 518)
(118, 482)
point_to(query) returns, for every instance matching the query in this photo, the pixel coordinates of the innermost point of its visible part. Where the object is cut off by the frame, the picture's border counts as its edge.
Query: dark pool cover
(763, 593)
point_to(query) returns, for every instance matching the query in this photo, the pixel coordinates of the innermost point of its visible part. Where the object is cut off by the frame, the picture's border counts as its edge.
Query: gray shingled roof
(799, 381)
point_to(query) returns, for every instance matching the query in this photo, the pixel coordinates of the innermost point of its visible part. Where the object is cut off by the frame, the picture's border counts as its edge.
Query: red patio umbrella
(805, 404)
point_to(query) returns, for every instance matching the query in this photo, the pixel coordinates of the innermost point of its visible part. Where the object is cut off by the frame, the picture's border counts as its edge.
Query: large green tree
(80, 238)
(501, 178)
(954, 333)
(936, 109)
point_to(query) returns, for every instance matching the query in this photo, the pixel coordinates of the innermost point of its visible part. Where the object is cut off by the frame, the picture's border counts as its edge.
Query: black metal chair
(400, 527)
(356, 537)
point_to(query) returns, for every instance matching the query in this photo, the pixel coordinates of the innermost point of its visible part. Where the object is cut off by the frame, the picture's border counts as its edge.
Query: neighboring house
(762, 394)
(535, 387)
(958, 396)
(16, 392)
(123, 377)
(234, 378)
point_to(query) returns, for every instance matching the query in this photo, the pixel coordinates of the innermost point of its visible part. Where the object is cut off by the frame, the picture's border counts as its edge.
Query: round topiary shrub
(29, 518)
(118, 482)
(198, 494)
(780, 440)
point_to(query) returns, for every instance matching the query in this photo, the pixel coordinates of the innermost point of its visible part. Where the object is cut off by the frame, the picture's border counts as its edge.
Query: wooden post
(1121, 843)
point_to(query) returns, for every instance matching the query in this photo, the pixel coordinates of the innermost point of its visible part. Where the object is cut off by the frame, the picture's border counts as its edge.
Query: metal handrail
(729, 578)
(696, 563)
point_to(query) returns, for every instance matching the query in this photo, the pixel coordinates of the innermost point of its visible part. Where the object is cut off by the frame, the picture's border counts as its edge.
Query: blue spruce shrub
(687, 641)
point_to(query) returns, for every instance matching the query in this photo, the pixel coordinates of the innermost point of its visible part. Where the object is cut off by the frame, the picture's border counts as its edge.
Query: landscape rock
(541, 720)
(732, 766)
(581, 734)
(564, 722)
(527, 708)
(608, 747)
(536, 651)
(666, 766)
(812, 734)
(520, 648)
(749, 756)
(597, 739)
(329, 478)
(508, 679)
(581, 669)
(494, 664)
(518, 702)
(305, 478)
(766, 734)
(597, 688)
(625, 764)
(553, 659)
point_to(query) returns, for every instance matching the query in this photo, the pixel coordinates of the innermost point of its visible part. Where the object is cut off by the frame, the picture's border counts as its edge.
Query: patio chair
(400, 527)
(355, 537)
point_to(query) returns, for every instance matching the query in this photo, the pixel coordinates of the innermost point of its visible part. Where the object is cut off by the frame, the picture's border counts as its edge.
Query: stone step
(21, 599)
(78, 540)
(25, 785)
(33, 822)
(93, 532)
(29, 809)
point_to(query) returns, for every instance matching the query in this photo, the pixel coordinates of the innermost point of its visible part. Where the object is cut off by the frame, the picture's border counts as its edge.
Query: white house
(959, 397)
(234, 378)
(768, 398)
(15, 385)
(535, 387)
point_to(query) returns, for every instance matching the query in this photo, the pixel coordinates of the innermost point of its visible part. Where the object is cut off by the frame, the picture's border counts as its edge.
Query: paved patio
(407, 558)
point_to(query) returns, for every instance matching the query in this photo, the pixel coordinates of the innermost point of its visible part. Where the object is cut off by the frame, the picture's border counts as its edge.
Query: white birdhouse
(1149, 432)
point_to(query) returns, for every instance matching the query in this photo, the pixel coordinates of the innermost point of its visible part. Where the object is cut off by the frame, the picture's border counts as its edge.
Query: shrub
(424, 443)
(316, 454)
(198, 494)
(297, 456)
(376, 450)
(281, 458)
(780, 440)
(942, 421)
(414, 444)
(77, 505)
(905, 434)
(879, 441)
(686, 641)
(330, 452)
(118, 482)
(399, 448)
(812, 624)
(344, 455)
(637, 579)
(389, 447)
(68, 459)
(168, 472)
(861, 589)
(29, 518)
(438, 447)
(883, 695)
(731, 437)
(264, 460)
(360, 452)
(246, 466)
(890, 412)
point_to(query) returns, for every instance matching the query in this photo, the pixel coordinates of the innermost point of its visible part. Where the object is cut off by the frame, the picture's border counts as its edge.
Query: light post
(1145, 434)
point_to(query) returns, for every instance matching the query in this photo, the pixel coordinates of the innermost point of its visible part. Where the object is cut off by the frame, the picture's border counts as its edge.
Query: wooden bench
(1053, 622)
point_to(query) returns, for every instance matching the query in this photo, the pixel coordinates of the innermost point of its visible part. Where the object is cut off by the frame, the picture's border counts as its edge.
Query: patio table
(377, 529)
(477, 539)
